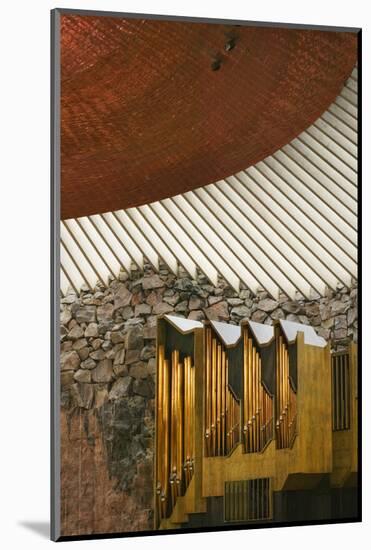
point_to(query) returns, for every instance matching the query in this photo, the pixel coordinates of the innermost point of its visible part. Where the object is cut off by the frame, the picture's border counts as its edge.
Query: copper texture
(144, 116)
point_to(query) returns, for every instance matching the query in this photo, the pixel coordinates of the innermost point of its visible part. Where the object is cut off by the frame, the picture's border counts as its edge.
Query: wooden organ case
(254, 423)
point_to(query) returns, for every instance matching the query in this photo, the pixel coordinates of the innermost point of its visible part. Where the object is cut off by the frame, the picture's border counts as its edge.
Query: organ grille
(247, 500)
(222, 408)
(340, 391)
(257, 402)
(175, 429)
(285, 398)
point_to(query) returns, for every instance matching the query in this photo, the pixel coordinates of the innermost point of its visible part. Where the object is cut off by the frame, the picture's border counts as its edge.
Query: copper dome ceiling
(151, 109)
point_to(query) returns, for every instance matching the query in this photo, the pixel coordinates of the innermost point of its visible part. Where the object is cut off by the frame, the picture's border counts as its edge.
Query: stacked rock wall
(108, 381)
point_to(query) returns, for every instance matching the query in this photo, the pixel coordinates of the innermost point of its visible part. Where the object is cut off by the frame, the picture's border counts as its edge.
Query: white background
(24, 256)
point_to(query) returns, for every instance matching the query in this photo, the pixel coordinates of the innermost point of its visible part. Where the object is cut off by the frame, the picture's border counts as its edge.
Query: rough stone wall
(108, 381)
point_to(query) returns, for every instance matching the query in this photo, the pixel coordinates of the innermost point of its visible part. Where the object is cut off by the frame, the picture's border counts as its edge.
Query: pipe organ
(222, 408)
(249, 418)
(257, 400)
(285, 396)
(174, 427)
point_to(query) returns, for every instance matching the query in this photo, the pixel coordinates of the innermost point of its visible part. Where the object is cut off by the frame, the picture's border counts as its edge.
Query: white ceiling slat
(64, 282)
(147, 230)
(189, 236)
(322, 195)
(290, 229)
(329, 144)
(331, 177)
(233, 256)
(307, 173)
(289, 223)
(182, 242)
(336, 136)
(80, 259)
(256, 260)
(331, 159)
(337, 122)
(213, 246)
(302, 209)
(315, 194)
(302, 214)
(69, 267)
(238, 210)
(317, 225)
(164, 228)
(117, 229)
(350, 83)
(350, 95)
(138, 238)
(299, 272)
(89, 250)
(111, 241)
(347, 106)
(347, 119)
(101, 246)
(194, 200)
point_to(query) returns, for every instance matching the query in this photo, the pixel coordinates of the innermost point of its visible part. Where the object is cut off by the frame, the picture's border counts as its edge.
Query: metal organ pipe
(175, 429)
(222, 409)
(257, 402)
(285, 397)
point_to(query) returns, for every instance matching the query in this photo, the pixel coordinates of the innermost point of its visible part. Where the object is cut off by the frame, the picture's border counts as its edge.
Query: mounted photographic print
(204, 275)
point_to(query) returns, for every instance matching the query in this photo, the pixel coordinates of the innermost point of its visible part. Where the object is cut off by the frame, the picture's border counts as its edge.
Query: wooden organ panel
(222, 408)
(257, 401)
(286, 407)
(344, 391)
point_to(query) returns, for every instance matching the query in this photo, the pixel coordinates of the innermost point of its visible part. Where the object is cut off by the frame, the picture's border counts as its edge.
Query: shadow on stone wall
(103, 492)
